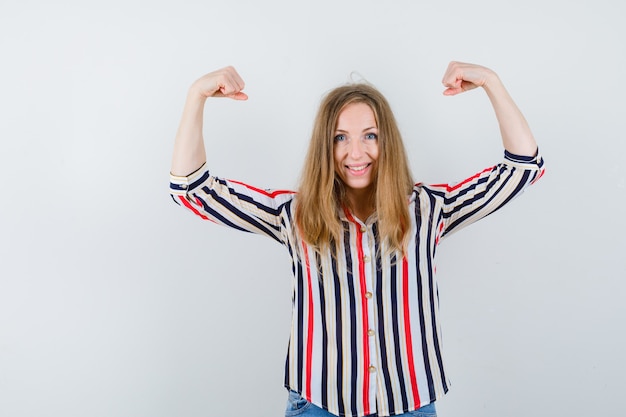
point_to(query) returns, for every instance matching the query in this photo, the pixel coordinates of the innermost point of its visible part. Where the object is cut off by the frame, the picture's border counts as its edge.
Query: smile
(357, 168)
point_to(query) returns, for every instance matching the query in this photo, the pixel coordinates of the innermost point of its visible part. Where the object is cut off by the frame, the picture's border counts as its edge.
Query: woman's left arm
(516, 135)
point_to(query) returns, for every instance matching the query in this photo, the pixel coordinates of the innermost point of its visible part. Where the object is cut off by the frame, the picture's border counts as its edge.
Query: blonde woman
(362, 237)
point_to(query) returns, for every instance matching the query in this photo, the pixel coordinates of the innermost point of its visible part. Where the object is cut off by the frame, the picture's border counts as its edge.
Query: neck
(362, 203)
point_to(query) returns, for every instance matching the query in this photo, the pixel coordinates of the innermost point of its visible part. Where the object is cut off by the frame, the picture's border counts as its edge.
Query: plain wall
(114, 302)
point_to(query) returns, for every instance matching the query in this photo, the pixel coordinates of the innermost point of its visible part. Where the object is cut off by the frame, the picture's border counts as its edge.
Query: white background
(115, 303)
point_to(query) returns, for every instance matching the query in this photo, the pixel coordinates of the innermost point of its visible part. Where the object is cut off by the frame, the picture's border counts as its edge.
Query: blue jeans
(300, 407)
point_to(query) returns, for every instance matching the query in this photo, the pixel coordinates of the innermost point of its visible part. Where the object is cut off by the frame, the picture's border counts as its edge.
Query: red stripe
(192, 208)
(366, 349)
(407, 330)
(439, 233)
(309, 340)
(462, 183)
(541, 172)
(264, 192)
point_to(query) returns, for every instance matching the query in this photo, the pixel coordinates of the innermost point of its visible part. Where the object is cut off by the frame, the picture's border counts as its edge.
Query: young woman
(362, 237)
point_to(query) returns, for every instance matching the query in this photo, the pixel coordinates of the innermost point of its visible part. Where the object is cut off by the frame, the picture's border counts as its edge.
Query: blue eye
(340, 138)
(372, 136)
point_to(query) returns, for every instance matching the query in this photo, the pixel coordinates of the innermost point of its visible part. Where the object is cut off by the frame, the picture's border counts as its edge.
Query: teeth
(358, 168)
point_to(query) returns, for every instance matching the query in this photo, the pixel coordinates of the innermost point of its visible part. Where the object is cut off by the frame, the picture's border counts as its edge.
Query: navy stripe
(420, 286)
(430, 242)
(287, 360)
(354, 348)
(450, 200)
(293, 303)
(393, 276)
(484, 203)
(339, 330)
(193, 185)
(218, 217)
(519, 158)
(381, 331)
(252, 221)
(323, 311)
(248, 199)
(290, 248)
(300, 328)
(517, 190)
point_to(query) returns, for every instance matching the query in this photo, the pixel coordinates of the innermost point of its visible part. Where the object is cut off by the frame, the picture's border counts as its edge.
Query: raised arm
(189, 152)
(516, 135)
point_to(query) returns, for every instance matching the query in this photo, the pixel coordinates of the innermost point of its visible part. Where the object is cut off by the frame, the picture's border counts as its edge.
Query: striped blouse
(365, 334)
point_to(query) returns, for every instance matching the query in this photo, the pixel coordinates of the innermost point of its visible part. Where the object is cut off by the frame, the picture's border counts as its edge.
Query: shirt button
(363, 229)
(183, 186)
(368, 295)
(371, 332)
(372, 368)
(366, 258)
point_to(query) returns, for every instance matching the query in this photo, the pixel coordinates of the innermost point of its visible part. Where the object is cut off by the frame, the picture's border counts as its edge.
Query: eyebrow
(364, 130)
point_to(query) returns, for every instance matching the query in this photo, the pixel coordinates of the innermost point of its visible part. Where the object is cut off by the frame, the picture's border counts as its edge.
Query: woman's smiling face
(356, 148)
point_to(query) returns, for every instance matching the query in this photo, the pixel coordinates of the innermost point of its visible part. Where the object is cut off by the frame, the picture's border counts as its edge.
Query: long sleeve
(485, 192)
(231, 203)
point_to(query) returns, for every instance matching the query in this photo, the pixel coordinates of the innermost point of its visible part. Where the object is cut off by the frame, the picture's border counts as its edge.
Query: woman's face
(356, 147)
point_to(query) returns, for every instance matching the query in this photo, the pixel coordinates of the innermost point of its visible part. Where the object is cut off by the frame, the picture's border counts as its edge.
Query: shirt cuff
(524, 161)
(182, 185)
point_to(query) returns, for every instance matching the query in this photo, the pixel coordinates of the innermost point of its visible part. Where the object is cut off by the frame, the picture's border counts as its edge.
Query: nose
(356, 149)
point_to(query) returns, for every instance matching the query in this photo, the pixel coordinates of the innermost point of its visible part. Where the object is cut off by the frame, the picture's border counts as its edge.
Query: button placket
(368, 247)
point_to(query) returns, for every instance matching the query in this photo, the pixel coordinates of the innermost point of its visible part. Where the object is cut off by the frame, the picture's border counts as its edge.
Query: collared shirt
(365, 335)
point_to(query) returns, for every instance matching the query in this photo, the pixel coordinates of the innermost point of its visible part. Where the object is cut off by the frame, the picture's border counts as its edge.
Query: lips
(358, 169)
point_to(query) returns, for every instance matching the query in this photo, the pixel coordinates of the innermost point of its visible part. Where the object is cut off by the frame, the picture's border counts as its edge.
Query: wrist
(492, 82)
(195, 97)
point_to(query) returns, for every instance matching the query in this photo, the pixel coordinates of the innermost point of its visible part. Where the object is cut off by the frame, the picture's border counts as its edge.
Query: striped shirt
(365, 334)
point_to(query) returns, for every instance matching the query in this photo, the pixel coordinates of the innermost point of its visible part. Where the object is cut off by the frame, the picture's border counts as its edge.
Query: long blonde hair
(322, 193)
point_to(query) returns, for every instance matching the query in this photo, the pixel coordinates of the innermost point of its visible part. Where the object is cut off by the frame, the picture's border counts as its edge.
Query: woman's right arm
(230, 203)
(189, 152)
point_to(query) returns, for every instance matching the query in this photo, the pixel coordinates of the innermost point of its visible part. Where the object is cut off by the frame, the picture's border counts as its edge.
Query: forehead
(356, 114)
